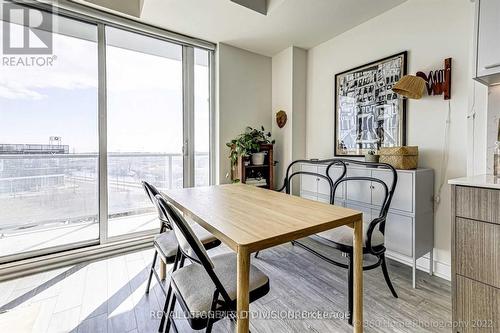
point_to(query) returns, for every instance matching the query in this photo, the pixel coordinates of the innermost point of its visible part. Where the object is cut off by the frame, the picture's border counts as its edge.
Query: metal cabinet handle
(492, 66)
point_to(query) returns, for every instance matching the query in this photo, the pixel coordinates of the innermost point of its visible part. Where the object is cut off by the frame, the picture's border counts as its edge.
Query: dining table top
(244, 216)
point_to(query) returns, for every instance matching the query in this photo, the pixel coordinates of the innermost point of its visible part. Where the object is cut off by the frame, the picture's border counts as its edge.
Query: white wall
(282, 99)
(299, 87)
(431, 31)
(477, 126)
(477, 117)
(492, 126)
(289, 95)
(243, 92)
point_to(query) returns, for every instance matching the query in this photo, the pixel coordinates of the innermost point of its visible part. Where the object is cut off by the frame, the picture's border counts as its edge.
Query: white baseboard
(441, 269)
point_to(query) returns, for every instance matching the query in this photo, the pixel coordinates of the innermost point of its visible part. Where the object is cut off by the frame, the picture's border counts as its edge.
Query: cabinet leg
(414, 273)
(431, 262)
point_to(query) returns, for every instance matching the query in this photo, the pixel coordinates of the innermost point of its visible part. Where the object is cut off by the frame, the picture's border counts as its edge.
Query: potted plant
(248, 144)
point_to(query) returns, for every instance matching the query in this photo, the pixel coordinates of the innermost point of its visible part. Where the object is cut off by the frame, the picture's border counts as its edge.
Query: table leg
(163, 270)
(358, 277)
(243, 297)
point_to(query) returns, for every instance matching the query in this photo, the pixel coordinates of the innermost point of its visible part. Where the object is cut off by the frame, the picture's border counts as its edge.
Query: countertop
(486, 181)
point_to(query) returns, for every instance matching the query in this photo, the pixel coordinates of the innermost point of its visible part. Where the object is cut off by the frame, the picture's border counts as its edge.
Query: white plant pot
(258, 158)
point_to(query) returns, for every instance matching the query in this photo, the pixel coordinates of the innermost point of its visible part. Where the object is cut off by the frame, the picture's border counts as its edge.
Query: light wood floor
(108, 296)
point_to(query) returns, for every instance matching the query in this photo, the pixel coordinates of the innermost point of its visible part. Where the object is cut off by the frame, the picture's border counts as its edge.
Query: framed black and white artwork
(368, 114)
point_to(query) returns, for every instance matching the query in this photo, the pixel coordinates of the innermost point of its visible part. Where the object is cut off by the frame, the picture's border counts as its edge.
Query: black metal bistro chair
(373, 232)
(206, 289)
(290, 174)
(165, 243)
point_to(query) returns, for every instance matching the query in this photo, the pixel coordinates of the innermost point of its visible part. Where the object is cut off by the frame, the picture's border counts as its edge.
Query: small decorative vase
(258, 158)
(372, 158)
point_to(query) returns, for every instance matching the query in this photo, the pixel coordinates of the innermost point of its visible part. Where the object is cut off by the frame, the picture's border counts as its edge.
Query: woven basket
(405, 158)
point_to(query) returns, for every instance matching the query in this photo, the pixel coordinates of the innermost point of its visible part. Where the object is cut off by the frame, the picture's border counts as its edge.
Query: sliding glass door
(49, 144)
(201, 117)
(144, 127)
(114, 107)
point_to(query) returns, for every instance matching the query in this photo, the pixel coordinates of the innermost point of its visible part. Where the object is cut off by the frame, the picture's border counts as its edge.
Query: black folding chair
(206, 289)
(165, 243)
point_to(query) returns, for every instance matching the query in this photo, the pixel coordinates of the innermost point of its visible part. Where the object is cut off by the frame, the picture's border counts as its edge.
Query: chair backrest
(290, 174)
(152, 192)
(387, 190)
(189, 243)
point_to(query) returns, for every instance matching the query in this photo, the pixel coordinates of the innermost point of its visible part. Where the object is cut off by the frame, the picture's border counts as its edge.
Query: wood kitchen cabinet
(475, 256)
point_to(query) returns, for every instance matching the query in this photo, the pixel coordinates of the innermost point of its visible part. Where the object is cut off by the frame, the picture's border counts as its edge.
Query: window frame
(102, 19)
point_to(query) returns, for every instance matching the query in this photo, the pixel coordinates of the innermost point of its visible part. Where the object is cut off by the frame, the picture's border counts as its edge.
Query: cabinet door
(477, 251)
(323, 198)
(335, 173)
(478, 307)
(324, 188)
(478, 204)
(398, 233)
(359, 191)
(309, 183)
(403, 195)
(367, 212)
(309, 195)
(488, 53)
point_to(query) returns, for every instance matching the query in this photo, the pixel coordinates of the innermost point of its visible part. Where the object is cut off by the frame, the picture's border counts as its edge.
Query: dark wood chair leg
(151, 272)
(350, 275)
(386, 275)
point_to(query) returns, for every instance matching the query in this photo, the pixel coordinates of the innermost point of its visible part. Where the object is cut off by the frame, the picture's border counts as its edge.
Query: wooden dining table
(250, 219)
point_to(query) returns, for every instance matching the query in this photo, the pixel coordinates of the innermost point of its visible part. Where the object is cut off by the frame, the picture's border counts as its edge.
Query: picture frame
(368, 114)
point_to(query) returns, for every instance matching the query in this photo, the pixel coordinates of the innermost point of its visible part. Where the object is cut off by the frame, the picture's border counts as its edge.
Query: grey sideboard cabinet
(475, 253)
(409, 231)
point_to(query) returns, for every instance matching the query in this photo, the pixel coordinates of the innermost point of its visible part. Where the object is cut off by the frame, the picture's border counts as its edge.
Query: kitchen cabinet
(487, 47)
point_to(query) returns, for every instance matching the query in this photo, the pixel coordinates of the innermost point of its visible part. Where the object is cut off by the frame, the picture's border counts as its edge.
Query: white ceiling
(302, 23)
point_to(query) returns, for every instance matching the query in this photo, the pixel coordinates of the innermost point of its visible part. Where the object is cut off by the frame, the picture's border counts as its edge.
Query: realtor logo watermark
(27, 36)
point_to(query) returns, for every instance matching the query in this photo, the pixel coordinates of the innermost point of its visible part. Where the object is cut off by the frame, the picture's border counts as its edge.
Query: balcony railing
(39, 190)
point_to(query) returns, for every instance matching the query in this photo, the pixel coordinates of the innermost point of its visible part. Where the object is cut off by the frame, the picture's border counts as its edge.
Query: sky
(144, 94)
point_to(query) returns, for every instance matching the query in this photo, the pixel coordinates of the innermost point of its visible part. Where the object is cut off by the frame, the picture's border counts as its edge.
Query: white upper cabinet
(487, 43)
